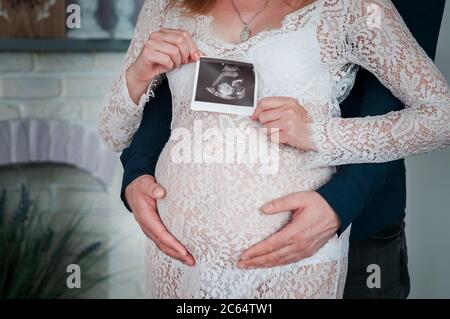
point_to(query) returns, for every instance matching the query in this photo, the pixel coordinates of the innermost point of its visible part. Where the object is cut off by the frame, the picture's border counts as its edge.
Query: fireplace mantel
(63, 45)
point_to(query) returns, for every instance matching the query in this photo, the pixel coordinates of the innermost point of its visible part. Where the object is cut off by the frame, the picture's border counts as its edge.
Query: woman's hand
(287, 115)
(165, 50)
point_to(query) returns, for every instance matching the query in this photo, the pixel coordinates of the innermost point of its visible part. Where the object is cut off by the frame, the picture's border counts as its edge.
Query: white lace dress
(213, 207)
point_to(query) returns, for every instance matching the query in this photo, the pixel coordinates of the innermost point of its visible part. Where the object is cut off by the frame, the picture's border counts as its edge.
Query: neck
(229, 26)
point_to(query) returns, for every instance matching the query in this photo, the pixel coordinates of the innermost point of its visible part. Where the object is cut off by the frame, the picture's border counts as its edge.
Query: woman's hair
(194, 6)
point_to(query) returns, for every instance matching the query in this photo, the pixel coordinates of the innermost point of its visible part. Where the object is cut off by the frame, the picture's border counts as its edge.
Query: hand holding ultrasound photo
(225, 86)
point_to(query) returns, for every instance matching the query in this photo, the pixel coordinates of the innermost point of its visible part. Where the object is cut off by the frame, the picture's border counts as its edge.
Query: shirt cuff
(346, 204)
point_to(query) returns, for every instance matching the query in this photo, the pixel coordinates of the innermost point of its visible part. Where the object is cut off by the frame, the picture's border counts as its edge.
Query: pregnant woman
(303, 51)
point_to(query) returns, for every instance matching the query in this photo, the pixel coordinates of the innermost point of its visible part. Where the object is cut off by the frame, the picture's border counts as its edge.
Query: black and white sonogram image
(225, 86)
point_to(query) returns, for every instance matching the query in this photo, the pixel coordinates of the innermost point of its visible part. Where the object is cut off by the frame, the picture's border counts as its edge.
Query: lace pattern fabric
(373, 35)
(120, 117)
(214, 207)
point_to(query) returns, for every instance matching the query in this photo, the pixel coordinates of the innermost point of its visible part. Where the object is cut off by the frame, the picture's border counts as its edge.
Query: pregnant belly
(215, 208)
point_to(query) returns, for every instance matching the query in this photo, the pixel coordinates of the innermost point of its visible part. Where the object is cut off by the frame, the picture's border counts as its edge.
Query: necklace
(246, 32)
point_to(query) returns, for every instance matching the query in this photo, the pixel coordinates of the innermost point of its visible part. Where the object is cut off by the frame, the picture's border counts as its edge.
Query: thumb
(286, 203)
(195, 56)
(156, 191)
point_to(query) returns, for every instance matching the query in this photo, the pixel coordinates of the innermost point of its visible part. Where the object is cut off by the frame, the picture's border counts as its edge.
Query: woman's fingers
(278, 132)
(270, 116)
(159, 58)
(167, 45)
(288, 116)
(168, 49)
(177, 40)
(266, 104)
(165, 50)
(194, 53)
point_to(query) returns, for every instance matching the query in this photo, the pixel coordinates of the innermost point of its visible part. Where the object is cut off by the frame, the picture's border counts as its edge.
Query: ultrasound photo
(225, 86)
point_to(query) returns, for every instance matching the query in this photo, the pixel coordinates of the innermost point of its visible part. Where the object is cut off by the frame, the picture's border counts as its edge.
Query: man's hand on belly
(313, 223)
(141, 196)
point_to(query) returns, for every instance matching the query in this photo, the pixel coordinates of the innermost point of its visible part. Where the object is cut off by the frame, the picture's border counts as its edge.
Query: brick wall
(63, 86)
(71, 87)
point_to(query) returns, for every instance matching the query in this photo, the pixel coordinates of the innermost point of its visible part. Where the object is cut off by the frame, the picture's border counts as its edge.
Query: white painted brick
(87, 85)
(15, 62)
(30, 87)
(64, 62)
(110, 62)
(86, 78)
(83, 111)
(9, 110)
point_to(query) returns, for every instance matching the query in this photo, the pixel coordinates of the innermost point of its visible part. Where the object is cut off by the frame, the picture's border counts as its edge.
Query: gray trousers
(386, 249)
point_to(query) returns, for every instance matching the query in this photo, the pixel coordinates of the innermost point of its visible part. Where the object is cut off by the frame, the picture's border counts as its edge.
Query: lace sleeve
(120, 116)
(376, 38)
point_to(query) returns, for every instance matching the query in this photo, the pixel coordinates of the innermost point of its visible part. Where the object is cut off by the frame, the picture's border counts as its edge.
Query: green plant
(36, 248)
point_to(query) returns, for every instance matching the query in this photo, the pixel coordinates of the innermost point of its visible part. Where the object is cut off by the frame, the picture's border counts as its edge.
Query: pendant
(245, 33)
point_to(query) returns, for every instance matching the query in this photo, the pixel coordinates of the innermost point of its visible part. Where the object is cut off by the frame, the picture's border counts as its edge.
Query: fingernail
(243, 258)
(244, 266)
(159, 192)
(266, 208)
(189, 263)
(183, 253)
